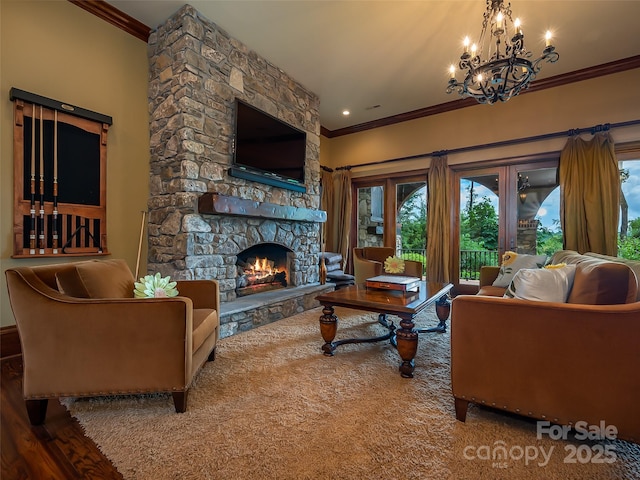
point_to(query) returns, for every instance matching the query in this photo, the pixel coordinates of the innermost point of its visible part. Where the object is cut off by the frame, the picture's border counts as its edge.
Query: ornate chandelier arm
(499, 75)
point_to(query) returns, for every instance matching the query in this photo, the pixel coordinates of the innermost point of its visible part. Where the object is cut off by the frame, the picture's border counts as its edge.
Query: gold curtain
(338, 224)
(326, 204)
(590, 195)
(438, 221)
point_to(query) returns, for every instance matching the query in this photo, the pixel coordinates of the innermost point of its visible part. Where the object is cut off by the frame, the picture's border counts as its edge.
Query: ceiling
(384, 58)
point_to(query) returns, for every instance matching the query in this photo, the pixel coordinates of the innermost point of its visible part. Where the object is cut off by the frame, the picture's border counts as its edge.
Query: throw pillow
(512, 262)
(603, 283)
(69, 283)
(549, 284)
(97, 279)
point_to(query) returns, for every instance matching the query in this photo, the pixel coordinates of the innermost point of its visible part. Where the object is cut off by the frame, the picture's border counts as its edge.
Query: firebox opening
(261, 268)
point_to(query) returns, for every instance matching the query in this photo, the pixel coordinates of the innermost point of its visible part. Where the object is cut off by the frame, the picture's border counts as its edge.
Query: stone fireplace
(201, 220)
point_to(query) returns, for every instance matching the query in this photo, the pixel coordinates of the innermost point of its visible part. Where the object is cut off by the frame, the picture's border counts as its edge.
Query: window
(629, 229)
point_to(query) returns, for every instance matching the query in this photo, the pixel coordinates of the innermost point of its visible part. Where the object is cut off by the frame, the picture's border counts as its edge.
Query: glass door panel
(370, 231)
(411, 221)
(629, 228)
(538, 229)
(479, 224)
(391, 212)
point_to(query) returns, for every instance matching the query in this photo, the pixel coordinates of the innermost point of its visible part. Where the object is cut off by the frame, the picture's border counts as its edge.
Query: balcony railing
(418, 255)
(472, 260)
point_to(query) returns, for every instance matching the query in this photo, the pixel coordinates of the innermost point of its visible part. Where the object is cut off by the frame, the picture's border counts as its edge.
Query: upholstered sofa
(569, 362)
(83, 333)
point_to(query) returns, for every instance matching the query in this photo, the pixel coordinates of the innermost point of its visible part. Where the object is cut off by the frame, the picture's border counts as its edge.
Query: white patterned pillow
(512, 262)
(542, 284)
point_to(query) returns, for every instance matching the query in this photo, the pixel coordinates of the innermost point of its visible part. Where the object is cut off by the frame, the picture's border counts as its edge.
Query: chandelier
(506, 67)
(523, 185)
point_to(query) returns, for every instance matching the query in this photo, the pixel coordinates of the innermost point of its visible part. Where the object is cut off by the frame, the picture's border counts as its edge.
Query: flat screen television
(267, 150)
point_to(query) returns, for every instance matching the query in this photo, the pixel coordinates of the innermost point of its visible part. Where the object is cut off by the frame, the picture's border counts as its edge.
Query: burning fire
(263, 267)
(260, 274)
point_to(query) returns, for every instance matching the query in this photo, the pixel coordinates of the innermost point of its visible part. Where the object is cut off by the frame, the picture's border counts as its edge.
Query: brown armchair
(102, 341)
(369, 262)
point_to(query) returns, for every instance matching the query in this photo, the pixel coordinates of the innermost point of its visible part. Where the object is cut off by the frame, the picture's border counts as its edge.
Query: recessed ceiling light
(346, 113)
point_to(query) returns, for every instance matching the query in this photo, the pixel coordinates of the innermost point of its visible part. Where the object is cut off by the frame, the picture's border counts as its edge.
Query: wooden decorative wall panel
(60, 154)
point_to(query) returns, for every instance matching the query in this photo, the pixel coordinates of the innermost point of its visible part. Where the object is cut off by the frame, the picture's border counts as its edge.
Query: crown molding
(542, 84)
(139, 30)
(112, 15)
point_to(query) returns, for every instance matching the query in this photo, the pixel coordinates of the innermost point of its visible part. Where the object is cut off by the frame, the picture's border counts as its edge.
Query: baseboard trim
(9, 342)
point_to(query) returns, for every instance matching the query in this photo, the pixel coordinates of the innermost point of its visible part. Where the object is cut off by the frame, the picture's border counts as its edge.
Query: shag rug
(272, 406)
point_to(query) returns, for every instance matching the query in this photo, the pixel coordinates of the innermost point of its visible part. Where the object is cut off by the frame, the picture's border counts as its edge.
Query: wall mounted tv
(267, 150)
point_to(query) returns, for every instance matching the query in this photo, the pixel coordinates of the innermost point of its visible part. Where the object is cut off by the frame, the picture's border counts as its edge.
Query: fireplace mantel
(212, 203)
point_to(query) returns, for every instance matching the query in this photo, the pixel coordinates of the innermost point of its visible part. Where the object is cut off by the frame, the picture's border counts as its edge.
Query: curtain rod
(504, 143)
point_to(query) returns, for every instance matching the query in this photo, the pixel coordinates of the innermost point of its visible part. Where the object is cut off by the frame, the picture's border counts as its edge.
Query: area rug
(272, 406)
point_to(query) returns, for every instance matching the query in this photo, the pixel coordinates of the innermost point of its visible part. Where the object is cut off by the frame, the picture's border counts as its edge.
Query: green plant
(413, 223)
(479, 222)
(629, 248)
(549, 239)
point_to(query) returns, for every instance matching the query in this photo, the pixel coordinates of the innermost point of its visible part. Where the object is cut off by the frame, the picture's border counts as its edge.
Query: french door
(391, 212)
(500, 208)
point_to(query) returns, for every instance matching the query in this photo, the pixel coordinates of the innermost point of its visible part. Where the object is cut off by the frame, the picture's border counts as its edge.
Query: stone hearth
(196, 72)
(255, 310)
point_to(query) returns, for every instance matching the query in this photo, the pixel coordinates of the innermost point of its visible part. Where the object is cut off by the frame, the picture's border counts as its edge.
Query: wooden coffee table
(386, 302)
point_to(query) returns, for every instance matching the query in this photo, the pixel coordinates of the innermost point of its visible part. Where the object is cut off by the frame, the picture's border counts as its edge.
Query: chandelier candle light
(506, 69)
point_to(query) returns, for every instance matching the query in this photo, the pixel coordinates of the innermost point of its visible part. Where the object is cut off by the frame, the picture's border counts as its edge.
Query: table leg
(328, 329)
(407, 344)
(443, 307)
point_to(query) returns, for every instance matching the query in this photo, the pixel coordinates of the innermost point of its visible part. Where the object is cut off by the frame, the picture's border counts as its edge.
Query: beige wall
(609, 99)
(55, 49)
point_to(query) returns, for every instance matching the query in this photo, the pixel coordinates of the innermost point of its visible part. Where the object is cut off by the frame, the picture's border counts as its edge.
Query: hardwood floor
(57, 450)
